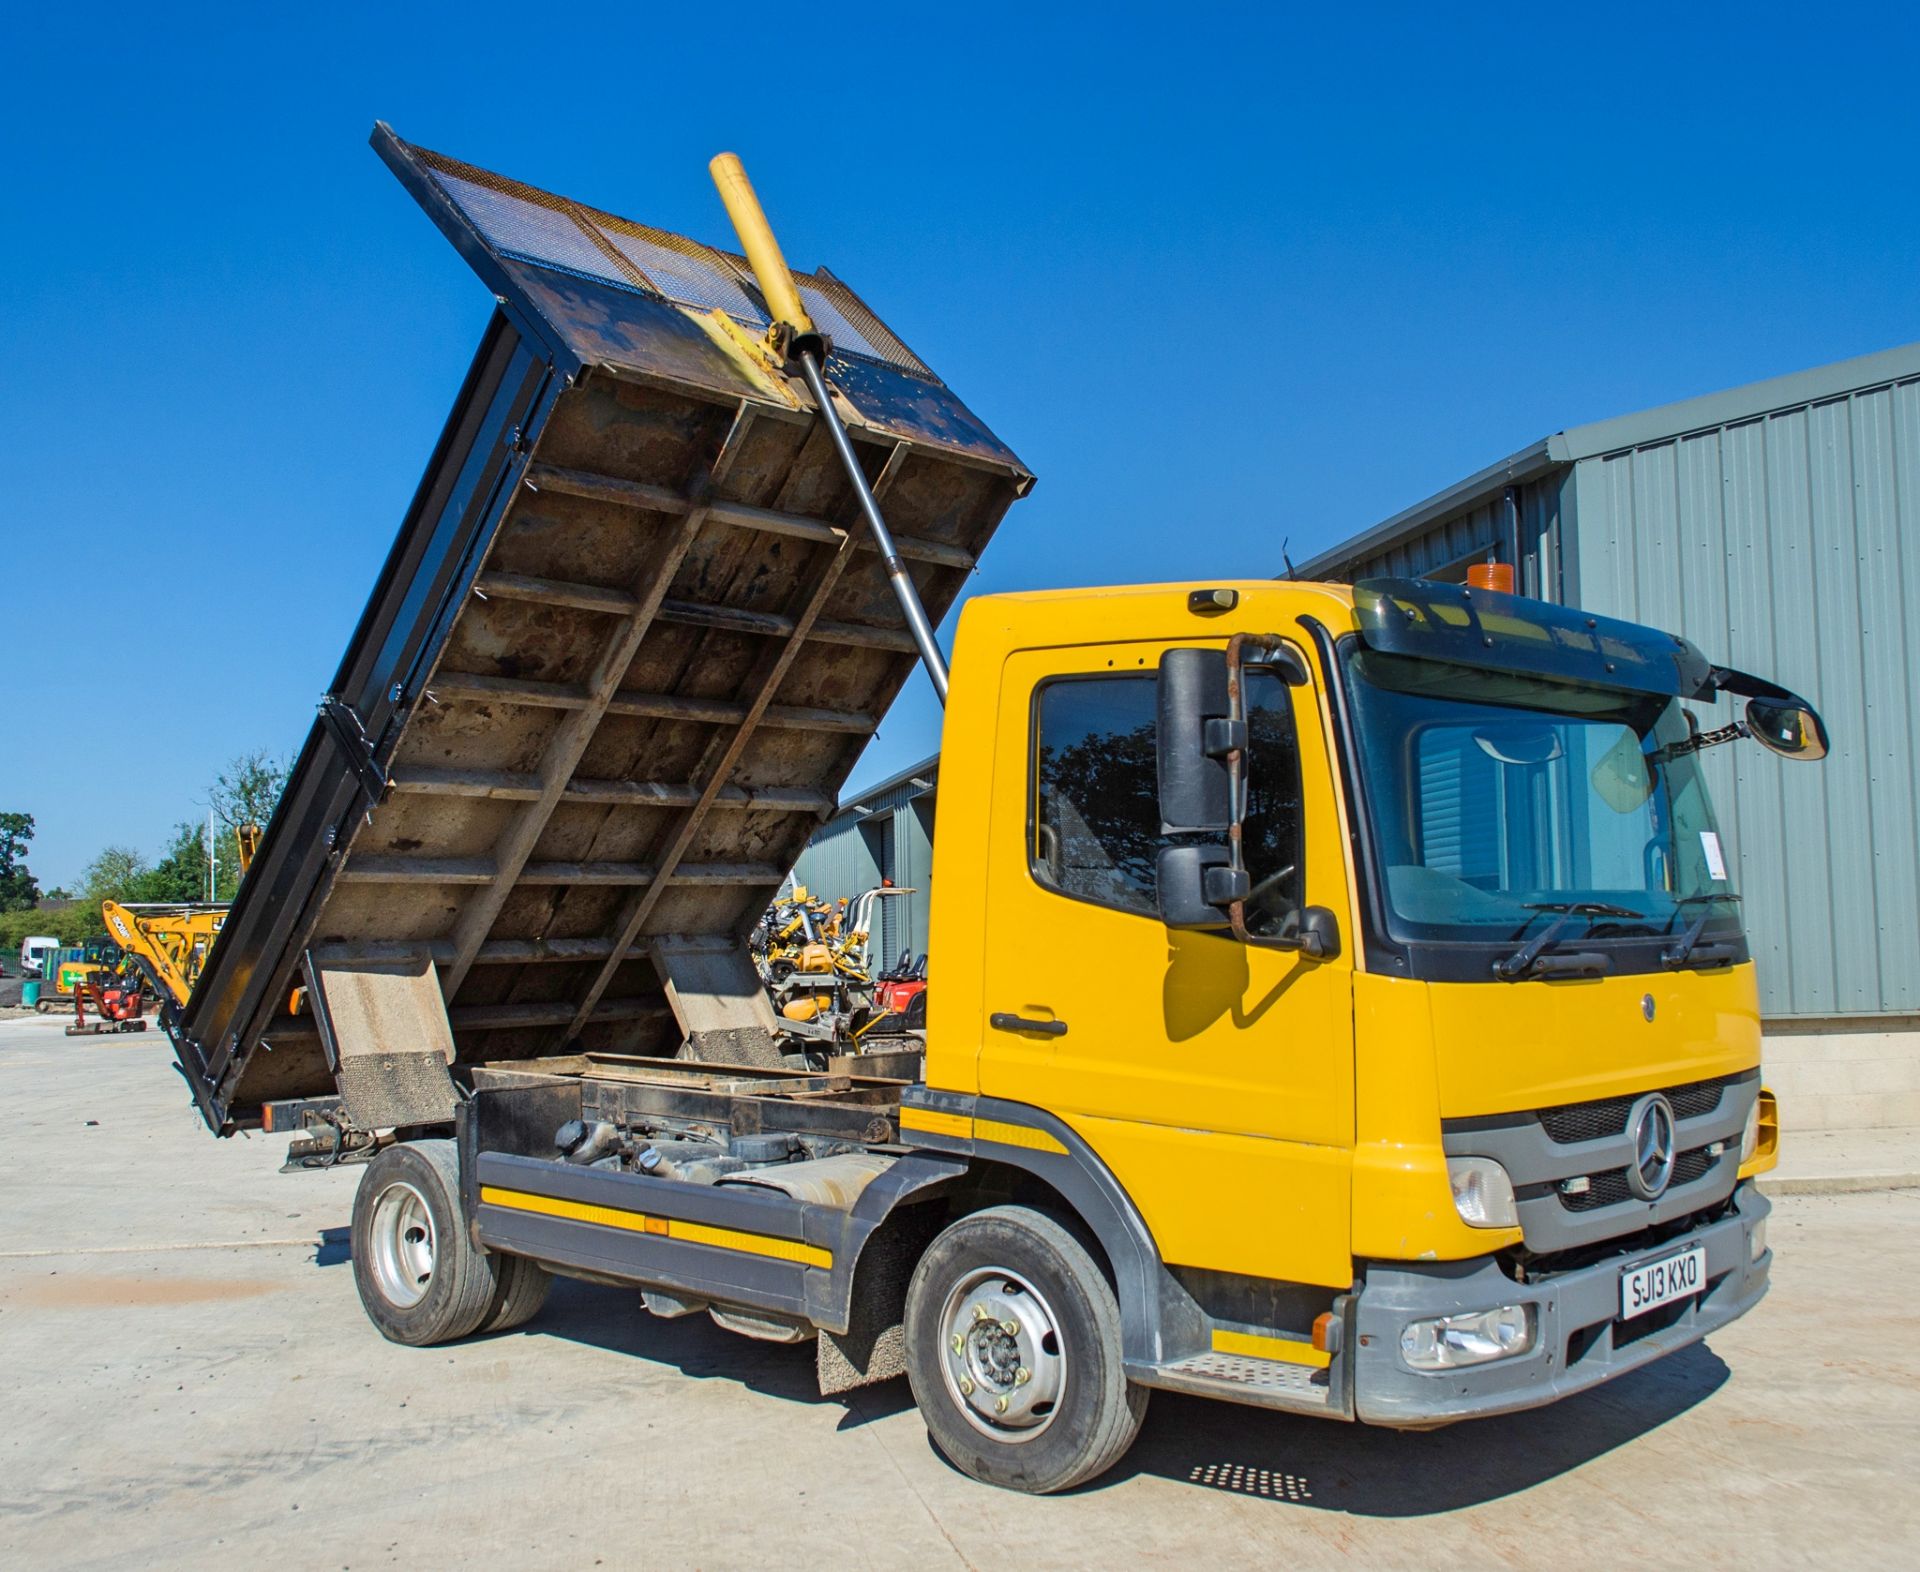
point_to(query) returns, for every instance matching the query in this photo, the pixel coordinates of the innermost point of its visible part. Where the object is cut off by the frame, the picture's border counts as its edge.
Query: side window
(1273, 836)
(1096, 828)
(1096, 819)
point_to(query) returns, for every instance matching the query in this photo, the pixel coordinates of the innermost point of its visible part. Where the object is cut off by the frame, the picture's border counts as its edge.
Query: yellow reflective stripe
(753, 1244)
(669, 1227)
(932, 1121)
(1255, 1346)
(574, 1211)
(1015, 1135)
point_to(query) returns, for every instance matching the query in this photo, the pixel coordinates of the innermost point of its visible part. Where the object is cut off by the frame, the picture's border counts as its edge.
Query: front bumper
(1580, 1339)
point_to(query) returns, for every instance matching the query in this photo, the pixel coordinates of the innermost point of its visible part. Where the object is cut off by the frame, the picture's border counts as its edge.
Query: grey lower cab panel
(1580, 1338)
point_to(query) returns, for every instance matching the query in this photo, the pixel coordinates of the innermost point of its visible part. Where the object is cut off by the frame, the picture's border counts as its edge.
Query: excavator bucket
(627, 647)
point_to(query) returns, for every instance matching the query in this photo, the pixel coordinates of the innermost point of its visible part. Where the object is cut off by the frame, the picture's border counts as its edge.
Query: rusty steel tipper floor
(625, 651)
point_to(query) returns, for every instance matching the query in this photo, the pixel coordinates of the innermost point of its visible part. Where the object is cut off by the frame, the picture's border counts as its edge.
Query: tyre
(421, 1279)
(1013, 1352)
(520, 1291)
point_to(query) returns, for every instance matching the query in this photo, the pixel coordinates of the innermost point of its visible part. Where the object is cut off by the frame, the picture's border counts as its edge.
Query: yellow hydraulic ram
(803, 344)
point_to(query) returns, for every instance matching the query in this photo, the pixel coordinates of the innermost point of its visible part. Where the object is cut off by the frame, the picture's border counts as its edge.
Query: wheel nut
(959, 1342)
(1022, 1376)
(1010, 1327)
(979, 1312)
(966, 1386)
(999, 1405)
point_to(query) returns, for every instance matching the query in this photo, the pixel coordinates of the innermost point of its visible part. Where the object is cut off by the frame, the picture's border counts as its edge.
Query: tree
(70, 924)
(248, 789)
(19, 890)
(245, 792)
(1104, 809)
(181, 873)
(114, 875)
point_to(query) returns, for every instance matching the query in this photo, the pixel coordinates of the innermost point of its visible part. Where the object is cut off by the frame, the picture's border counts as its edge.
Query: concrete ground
(189, 1379)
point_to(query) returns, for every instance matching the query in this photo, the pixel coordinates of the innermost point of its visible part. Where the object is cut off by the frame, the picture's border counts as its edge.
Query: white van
(34, 952)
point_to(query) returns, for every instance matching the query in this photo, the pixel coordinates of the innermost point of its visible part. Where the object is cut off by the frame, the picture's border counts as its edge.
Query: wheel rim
(402, 1245)
(1002, 1354)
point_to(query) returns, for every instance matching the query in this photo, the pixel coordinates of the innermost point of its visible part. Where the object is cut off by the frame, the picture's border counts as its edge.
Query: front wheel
(1013, 1351)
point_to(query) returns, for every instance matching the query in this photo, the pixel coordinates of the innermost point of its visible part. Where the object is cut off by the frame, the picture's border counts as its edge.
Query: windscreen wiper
(1677, 955)
(1524, 959)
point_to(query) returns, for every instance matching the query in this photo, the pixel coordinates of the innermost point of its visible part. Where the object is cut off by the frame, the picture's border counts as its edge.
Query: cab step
(1237, 1377)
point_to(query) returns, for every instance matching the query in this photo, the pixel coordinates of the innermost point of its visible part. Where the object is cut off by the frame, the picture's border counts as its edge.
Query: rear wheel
(421, 1279)
(1013, 1350)
(521, 1291)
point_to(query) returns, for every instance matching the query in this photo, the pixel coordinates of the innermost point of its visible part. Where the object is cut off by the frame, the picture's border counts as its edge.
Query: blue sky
(1221, 277)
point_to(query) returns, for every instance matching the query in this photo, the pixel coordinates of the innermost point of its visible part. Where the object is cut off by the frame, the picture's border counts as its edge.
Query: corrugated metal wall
(1472, 534)
(854, 851)
(1789, 545)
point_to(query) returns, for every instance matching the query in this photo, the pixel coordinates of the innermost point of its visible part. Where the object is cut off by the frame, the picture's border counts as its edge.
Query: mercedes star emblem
(1651, 1125)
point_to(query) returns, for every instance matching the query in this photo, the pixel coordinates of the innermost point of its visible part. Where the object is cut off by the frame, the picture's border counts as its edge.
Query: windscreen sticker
(1716, 860)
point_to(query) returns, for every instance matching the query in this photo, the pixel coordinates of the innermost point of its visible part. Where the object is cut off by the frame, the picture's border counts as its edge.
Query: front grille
(1689, 1166)
(1607, 1189)
(1607, 1116)
(1610, 1188)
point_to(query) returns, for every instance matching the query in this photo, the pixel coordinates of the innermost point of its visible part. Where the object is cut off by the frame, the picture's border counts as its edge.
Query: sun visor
(1475, 627)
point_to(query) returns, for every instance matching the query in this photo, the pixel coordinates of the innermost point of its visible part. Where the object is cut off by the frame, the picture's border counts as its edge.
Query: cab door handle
(1019, 1023)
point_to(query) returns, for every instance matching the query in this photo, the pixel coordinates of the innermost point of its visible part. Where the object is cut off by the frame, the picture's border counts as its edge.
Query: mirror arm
(1732, 732)
(1724, 679)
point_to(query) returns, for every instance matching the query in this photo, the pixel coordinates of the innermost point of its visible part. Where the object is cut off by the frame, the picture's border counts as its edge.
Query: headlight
(1750, 1136)
(1757, 1241)
(1482, 1193)
(1450, 1341)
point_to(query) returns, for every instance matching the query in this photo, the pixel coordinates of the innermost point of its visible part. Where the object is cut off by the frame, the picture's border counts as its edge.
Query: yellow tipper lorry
(1341, 1007)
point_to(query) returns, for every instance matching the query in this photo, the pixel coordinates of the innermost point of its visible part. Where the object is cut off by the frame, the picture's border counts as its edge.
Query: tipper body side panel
(625, 651)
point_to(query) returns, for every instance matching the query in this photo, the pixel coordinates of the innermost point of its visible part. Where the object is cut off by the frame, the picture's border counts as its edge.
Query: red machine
(116, 1002)
(900, 999)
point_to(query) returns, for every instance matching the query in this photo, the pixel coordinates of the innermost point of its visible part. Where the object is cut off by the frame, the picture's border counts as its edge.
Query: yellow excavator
(167, 942)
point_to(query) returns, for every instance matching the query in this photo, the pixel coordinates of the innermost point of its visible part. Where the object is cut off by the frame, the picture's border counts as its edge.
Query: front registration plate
(1644, 1288)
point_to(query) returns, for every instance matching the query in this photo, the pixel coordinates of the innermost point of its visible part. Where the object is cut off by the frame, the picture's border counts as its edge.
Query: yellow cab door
(1213, 1077)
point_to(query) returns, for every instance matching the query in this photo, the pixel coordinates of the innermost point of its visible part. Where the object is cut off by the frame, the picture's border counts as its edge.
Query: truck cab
(1430, 1032)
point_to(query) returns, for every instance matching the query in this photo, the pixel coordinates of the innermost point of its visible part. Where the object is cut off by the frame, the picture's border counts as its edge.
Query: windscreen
(1499, 800)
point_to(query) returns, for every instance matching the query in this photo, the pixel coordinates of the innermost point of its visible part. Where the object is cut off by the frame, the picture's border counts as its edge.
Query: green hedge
(72, 923)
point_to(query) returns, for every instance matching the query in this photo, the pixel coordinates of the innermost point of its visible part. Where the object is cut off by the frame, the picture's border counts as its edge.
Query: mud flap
(718, 1000)
(874, 1346)
(385, 1031)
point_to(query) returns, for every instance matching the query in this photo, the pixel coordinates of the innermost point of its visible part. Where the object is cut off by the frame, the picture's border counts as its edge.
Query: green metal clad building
(885, 833)
(1778, 527)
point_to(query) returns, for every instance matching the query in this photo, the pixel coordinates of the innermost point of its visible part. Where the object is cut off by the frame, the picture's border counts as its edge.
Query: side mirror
(1196, 884)
(1789, 728)
(1195, 734)
(1319, 933)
